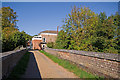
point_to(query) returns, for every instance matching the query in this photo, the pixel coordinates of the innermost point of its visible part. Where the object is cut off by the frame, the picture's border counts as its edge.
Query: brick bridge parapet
(103, 64)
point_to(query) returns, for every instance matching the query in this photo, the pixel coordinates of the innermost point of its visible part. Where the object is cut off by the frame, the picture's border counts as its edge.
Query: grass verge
(20, 68)
(72, 67)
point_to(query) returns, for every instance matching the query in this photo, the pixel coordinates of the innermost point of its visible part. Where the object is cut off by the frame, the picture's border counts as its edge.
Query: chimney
(57, 29)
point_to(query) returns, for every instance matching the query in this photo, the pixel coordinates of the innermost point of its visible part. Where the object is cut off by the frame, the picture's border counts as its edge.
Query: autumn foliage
(85, 30)
(11, 36)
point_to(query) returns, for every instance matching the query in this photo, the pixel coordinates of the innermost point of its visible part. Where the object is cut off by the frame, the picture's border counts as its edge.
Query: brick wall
(49, 38)
(102, 64)
(36, 44)
(10, 59)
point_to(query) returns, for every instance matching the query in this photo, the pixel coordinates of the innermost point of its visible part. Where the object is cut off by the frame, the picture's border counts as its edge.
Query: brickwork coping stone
(10, 59)
(8, 53)
(107, 56)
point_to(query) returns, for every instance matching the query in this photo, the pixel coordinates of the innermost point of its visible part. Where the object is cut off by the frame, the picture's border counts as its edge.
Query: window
(43, 39)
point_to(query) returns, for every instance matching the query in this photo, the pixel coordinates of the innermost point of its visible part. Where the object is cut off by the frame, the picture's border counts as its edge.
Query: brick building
(40, 41)
(36, 40)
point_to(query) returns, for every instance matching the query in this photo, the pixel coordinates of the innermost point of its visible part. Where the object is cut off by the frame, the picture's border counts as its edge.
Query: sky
(35, 17)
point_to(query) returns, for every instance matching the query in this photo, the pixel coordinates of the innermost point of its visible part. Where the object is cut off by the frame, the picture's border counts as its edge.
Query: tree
(116, 20)
(7, 42)
(11, 36)
(85, 30)
(9, 17)
(80, 25)
(61, 41)
(105, 34)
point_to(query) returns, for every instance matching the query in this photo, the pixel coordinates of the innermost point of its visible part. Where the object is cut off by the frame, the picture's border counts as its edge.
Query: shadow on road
(32, 71)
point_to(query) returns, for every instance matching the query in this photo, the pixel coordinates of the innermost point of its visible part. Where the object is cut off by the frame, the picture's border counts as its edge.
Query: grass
(20, 68)
(72, 67)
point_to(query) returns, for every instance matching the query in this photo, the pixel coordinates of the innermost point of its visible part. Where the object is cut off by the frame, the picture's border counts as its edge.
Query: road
(44, 67)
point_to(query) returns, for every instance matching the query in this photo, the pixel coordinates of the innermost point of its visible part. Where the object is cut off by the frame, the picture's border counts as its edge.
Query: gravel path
(47, 68)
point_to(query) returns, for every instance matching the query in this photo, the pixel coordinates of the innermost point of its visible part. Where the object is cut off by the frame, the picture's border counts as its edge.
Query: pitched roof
(48, 31)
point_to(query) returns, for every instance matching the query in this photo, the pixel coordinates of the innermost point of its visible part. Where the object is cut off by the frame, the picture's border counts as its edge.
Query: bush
(12, 38)
(50, 44)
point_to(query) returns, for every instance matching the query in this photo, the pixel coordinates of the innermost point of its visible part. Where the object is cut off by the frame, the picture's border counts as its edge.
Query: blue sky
(35, 17)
